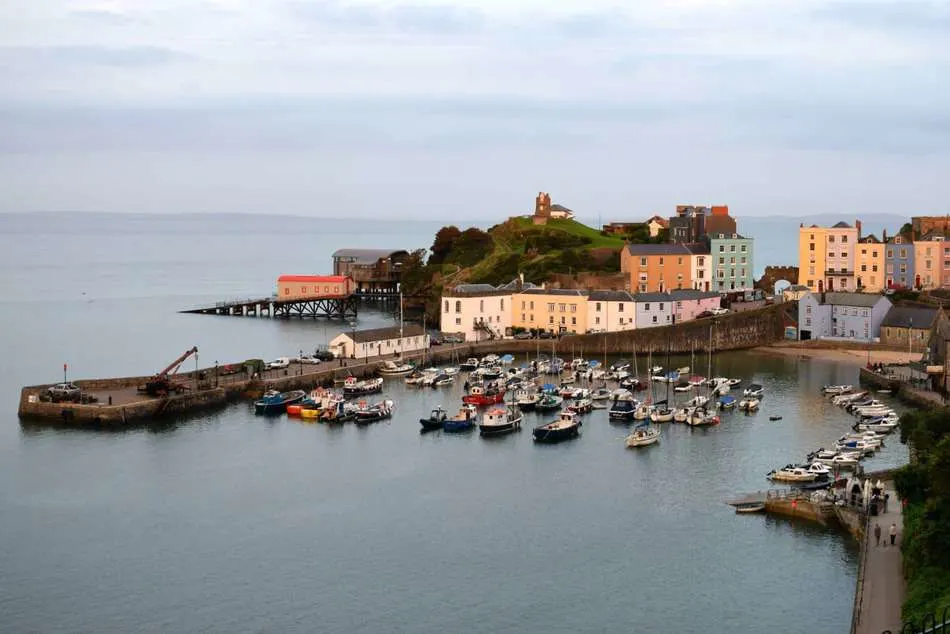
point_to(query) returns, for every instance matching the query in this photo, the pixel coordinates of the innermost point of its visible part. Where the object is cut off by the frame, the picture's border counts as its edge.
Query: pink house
(688, 303)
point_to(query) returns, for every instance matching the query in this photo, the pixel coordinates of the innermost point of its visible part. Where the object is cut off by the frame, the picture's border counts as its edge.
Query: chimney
(884, 233)
(857, 225)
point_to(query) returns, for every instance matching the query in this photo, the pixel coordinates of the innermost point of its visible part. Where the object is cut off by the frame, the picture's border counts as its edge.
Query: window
(808, 310)
(532, 317)
(522, 316)
(929, 262)
(502, 304)
(844, 238)
(573, 308)
(661, 305)
(864, 251)
(620, 307)
(808, 321)
(903, 268)
(811, 270)
(890, 253)
(742, 272)
(458, 321)
(722, 248)
(286, 291)
(326, 289)
(551, 308)
(700, 260)
(561, 308)
(679, 260)
(573, 321)
(643, 288)
(522, 305)
(597, 320)
(721, 274)
(864, 268)
(550, 319)
(831, 238)
(903, 253)
(563, 320)
(844, 254)
(722, 261)
(597, 307)
(481, 305)
(679, 305)
(679, 276)
(532, 308)
(811, 247)
(643, 277)
(701, 275)
(874, 268)
(446, 309)
(646, 306)
(742, 248)
(643, 261)
(732, 260)
(732, 272)
(458, 305)
(654, 319)
(742, 260)
(732, 248)
(831, 255)
(661, 261)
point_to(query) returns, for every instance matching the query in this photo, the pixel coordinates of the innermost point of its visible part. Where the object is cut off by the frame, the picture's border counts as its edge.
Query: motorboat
(600, 394)
(835, 390)
(844, 460)
(581, 406)
(498, 421)
(750, 507)
(372, 413)
(682, 387)
(526, 399)
(392, 368)
(857, 445)
(274, 402)
(451, 370)
(748, 404)
(549, 403)
(734, 382)
(435, 420)
(791, 473)
(484, 395)
(489, 373)
(620, 364)
(415, 378)
(682, 414)
(642, 435)
(470, 365)
(622, 407)
(727, 402)
(465, 420)
(662, 415)
(442, 380)
(657, 369)
(754, 390)
(643, 411)
(354, 387)
(491, 360)
(565, 427)
(632, 383)
(844, 399)
(701, 418)
(683, 370)
(878, 425)
(697, 381)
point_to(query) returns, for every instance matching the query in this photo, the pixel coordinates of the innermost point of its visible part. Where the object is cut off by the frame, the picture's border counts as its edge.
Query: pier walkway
(881, 589)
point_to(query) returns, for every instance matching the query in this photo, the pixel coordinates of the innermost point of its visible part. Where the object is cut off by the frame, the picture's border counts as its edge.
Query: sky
(444, 110)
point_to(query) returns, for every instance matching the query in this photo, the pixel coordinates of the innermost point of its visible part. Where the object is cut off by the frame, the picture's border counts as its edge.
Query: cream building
(610, 311)
(477, 312)
(364, 344)
(553, 310)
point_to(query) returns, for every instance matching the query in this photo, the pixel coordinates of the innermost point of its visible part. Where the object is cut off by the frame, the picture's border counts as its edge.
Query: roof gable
(910, 317)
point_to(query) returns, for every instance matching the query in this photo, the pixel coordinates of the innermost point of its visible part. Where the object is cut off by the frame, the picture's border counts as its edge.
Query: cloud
(133, 57)
(914, 16)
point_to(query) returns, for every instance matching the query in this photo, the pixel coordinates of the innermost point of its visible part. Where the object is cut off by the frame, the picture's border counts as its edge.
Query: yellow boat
(311, 414)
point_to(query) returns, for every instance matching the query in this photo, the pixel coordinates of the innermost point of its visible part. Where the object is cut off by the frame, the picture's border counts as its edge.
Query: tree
(442, 245)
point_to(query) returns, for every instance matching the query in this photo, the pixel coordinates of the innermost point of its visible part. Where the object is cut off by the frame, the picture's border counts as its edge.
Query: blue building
(731, 268)
(899, 262)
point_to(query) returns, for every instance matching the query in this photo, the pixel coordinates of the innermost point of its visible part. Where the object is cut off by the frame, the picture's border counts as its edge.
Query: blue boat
(727, 402)
(465, 420)
(274, 402)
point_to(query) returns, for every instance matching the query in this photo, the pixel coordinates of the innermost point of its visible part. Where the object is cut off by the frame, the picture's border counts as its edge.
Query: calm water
(232, 523)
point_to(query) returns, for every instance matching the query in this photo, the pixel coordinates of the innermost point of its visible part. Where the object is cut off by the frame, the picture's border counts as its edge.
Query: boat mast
(709, 362)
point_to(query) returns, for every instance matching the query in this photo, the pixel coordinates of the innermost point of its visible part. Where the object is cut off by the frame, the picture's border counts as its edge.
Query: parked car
(64, 392)
(278, 364)
(434, 340)
(323, 355)
(546, 334)
(452, 339)
(308, 360)
(522, 335)
(719, 311)
(705, 314)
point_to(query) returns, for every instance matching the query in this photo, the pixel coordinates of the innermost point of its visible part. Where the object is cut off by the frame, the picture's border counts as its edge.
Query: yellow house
(812, 256)
(928, 260)
(554, 310)
(869, 265)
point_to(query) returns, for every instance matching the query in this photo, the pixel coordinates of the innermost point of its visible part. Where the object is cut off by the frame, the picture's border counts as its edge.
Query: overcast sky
(467, 109)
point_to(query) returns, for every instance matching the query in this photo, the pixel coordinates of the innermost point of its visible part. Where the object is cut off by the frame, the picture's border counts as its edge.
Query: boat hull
(500, 429)
(544, 434)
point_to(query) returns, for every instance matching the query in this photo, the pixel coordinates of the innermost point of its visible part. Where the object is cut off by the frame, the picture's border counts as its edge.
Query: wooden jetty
(343, 308)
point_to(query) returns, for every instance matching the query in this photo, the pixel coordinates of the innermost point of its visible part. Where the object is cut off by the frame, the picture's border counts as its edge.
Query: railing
(929, 625)
(862, 570)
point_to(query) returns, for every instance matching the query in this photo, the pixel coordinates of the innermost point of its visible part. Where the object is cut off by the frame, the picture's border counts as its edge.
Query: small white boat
(642, 436)
(391, 368)
(844, 460)
(682, 414)
(683, 370)
(754, 391)
(663, 415)
(791, 473)
(683, 388)
(698, 401)
(600, 394)
(836, 389)
(643, 411)
(749, 404)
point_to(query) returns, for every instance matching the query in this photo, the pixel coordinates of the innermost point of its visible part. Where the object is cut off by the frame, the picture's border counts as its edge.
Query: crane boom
(174, 365)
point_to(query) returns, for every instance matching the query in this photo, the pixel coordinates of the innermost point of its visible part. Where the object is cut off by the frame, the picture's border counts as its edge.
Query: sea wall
(912, 396)
(800, 507)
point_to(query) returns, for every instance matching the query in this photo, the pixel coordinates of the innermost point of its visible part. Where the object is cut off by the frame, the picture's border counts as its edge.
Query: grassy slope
(575, 228)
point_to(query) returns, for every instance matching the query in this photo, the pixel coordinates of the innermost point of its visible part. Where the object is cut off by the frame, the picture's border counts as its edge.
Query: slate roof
(663, 222)
(864, 300)
(841, 225)
(610, 296)
(366, 256)
(657, 249)
(869, 239)
(698, 248)
(557, 207)
(651, 297)
(474, 288)
(555, 291)
(680, 294)
(382, 334)
(907, 316)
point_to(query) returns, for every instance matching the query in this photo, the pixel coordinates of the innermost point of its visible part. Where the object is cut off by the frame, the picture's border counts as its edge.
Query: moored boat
(754, 390)
(354, 387)
(366, 414)
(274, 402)
(435, 420)
(465, 420)
(567, 426)
(582, 406)
(484, 395)
(498, 421)
(642, 435)
(548, 403)
(392, 368)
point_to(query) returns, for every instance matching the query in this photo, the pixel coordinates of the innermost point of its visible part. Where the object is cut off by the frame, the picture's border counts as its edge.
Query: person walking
(887, 496)
(877, 534)
(893, 532)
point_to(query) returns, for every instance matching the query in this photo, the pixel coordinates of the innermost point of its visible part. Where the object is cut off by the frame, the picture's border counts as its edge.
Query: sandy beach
(857, 355)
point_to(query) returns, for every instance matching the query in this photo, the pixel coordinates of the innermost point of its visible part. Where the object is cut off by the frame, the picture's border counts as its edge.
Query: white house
(653, 309)
(477, 312)
(841, 315)
(610, 311)
(363, 344)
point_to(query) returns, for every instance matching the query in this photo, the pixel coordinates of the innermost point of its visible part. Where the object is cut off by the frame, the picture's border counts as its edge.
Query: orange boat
(294, 410)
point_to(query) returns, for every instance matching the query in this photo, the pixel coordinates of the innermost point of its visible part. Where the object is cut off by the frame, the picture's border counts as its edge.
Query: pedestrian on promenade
(877, 534)
(887, 496)
(893, 533)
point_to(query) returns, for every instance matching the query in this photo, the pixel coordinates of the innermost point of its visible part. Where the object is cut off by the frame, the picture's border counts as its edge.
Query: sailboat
(642, 435)
(665, 414)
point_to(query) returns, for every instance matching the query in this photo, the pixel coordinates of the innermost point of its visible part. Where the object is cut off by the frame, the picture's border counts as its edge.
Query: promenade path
(884, 588)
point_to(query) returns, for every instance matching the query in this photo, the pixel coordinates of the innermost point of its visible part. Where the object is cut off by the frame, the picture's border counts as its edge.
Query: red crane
(161, 384)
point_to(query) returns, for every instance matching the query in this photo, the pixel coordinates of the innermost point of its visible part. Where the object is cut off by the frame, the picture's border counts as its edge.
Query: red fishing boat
(481, 395)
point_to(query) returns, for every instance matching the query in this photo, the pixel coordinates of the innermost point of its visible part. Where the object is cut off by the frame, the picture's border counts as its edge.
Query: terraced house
(554, 310)
(657, 267)
(731, 262)
(610, 311)
(899, 262)
(928, 261)
(869, 264)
